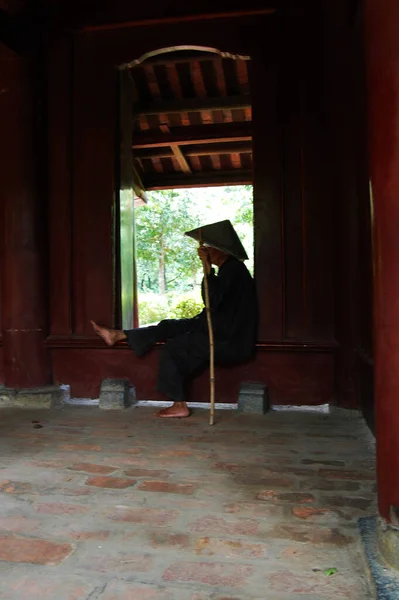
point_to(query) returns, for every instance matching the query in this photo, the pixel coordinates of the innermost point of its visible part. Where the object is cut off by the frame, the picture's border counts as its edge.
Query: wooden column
(382, 17)
(23, 243)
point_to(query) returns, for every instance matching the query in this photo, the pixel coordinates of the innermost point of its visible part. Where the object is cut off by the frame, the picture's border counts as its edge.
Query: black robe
(186, 351)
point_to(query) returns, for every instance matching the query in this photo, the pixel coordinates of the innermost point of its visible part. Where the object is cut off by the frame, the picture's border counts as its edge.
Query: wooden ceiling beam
(212, 149)
(192, 134)
(164, 21)
(191, 105)
(202, 150)
(183, 164)
(201, 179)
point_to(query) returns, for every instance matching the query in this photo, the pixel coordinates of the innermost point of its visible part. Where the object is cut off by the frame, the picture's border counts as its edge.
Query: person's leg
(143, 338)
(110, 336)
(183, 354)
(180, 358)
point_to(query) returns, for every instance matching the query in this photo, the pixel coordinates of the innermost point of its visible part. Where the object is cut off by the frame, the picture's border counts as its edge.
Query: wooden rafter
(200, 179)
(163, 21)
(203, 150)
(191, 135)
(191, 105)
(178, 154)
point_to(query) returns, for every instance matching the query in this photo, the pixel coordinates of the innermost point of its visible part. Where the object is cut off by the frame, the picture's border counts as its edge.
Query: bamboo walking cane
(211, 341)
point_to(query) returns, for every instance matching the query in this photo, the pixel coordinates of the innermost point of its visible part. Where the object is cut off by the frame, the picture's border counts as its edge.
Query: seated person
(233, 309)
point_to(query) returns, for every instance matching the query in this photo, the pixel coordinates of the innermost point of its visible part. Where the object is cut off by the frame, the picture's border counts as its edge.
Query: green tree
(166, 259)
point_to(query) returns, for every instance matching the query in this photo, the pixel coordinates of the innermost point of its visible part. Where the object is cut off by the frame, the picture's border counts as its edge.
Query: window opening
(185, 157)
(169, 271)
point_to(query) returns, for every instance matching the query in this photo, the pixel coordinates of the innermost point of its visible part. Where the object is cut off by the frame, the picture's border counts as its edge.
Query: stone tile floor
(119, 505)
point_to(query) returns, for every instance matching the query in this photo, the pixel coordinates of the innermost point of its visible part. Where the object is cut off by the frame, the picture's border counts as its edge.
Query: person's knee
(170, 346)
(164, 322)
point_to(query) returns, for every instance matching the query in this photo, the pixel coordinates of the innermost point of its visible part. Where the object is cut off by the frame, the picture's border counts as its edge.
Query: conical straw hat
(221, 235)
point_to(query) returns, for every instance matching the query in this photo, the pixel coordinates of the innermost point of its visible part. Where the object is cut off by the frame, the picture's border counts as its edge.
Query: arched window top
(191, 48)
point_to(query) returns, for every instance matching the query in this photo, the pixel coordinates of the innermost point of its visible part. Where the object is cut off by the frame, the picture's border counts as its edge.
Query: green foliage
(165, 257)
(153, 308)
(186, 308)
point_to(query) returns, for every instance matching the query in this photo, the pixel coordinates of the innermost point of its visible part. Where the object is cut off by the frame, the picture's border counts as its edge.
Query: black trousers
(185, 353)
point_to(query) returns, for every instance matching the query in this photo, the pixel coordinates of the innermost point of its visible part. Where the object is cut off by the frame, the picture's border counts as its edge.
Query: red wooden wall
(300, 266)
(347, 133)
(22, 225)
(5, 59)
(4, 55)
(292, 204)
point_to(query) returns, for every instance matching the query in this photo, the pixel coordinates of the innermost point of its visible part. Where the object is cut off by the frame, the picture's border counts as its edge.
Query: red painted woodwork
(291, 377)
(382, 44)
(292, 199)
(267, 190)
(94, 132)
(306, 196)
(76, 13)
(60, 138)
(1, 363)
(292, 204)
(347, 126)
(22, 243)
(92, 121)
(5, 55)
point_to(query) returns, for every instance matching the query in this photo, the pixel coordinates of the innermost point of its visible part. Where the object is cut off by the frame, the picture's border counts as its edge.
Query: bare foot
(178, 410)
(110, 336)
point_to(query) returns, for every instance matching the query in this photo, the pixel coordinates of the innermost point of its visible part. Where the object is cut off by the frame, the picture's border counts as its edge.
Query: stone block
(253, 398)
(40, 397)
(115, 394)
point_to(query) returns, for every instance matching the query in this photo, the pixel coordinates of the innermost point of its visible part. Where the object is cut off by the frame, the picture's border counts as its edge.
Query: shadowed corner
(384, 578)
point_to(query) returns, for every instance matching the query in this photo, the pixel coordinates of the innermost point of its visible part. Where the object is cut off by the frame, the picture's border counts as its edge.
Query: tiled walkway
(111, 506)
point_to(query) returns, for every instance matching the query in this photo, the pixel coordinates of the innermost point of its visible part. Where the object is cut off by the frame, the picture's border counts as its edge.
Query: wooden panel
(345, 102)
(293, 195)
(22, 245)
(358, 72)
(267, 192)
(292, 377)
(95, 110)
(1, 363)
(5, 55)
(307, 200)
(317, 225)
(60, 113)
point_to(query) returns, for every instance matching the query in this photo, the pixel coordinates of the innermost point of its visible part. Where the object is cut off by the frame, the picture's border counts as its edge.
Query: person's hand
(204, 256)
